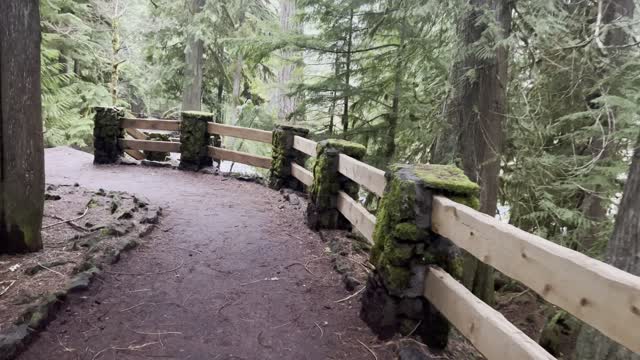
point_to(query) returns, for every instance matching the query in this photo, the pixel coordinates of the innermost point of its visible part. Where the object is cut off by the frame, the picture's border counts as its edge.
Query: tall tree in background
(21, 143)
(287, 103)
(473, 133)
(611, 37)
(622, 252)
(192, 91)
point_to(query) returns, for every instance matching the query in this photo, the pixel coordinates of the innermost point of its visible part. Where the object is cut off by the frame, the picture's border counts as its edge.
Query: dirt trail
(213, 282)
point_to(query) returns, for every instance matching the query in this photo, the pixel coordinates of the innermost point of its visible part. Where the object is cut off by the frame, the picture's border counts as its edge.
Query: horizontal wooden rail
(136, 134)
(305, 176)
(150, 145)
(599, 294)
(488, 330)
(241, 157)
(150, 124)
(241, 132)
(305, 146)
(357, 215)
(366, 175)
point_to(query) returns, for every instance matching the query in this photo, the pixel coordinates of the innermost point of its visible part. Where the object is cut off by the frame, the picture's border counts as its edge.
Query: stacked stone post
(106, 135)
(322, 212)
(404, 248)
(283, 155)
(194, 140)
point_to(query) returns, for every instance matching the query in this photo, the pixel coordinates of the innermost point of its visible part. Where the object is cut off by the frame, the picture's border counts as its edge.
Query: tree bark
(21, 143)
(347, 78)
(192, 89)
(289, 72)
(473, 134)
(624, 244)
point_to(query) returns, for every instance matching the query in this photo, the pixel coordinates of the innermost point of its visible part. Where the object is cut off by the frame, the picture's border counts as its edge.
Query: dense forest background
(382, 73)
(554, 86)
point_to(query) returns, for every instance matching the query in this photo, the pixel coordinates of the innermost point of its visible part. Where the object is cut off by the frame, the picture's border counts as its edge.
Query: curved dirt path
(216, 280)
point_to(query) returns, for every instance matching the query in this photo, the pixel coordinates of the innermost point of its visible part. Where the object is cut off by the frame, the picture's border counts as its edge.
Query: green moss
(447, 178)
(409, 232)
(349, 148)
(396, 277)
(198, 115)
(471, 201)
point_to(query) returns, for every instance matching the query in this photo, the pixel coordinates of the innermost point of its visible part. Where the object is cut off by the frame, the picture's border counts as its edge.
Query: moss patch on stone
(346, 147)
(447, 178)
(197, 115)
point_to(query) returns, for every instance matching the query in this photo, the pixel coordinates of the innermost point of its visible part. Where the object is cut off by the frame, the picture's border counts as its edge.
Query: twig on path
(257, 281)
(157, 333)
(53, 271)
(352, 295)
(368, 348)
(8, 286)
(66, 349)
(228, 303)
(414, 329)
(135, 347)
(517, 295)
(69, 220)
(321, 331)
(301, 264)
(149, 273)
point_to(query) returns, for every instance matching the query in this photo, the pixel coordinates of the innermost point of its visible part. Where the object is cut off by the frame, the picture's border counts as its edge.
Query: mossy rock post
(404, 247)
(322, 212)
(283, 155)
(194, 139)
(106, 134)
(157, 155)
(216, 140)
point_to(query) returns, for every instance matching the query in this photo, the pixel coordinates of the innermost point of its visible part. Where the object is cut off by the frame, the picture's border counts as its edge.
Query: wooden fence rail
(241, 157)
(599, 294)
(240, 132)
(140, 142)
(487, 329)
(151, 145)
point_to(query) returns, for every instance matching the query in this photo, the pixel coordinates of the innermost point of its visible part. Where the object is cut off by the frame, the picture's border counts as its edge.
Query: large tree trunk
(347, 78)
(289, 72)
(624, 244)
(474, 122)
(192, 90)
(21, 144)
(115, 49)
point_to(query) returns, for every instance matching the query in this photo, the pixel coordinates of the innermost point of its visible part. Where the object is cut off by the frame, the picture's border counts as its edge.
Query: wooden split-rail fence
(599, 294)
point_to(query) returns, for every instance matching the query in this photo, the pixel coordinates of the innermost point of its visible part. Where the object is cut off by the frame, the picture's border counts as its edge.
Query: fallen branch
(53, 271)
(7, 288)
(69, 220)
(301, 264)
(352, 295)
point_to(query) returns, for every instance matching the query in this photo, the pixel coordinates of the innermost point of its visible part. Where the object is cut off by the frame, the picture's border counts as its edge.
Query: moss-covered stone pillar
(404, 247)
(283, 155)
(194, 139)
(322, 212)
(106, 133)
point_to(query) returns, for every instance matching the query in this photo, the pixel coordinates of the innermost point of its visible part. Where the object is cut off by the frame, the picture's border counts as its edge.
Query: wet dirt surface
(216, 280)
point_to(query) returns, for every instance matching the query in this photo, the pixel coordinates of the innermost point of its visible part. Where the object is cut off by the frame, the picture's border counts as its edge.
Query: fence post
(404, 246)
(194, 139)
(322, 212)
(283, 154)
(106, 133)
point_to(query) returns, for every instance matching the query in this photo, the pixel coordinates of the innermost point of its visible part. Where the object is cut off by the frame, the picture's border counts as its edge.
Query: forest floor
(231, 272)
